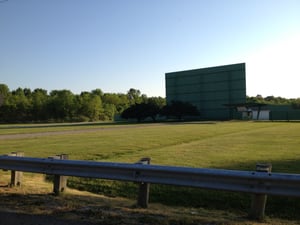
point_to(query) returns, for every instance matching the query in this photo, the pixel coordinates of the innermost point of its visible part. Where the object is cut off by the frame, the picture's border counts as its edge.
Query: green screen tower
(209, 89)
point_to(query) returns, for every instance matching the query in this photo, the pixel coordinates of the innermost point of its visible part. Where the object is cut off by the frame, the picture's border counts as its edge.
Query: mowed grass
(223, 145)
(228, 145)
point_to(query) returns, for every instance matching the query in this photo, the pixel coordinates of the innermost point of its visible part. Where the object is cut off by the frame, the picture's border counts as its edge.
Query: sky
(115, 45)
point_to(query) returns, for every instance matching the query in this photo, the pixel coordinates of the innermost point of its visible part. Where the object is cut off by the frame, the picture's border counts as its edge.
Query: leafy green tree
(154, 106)
(257, 99)
(296, 103)
(179, 109)
(27, 92)
(134, 96)
(39, 101)
(95, 108)
(18, 107)
(61, 105)
(269, 100)
(151, 110)
(158, 101)
(4, 107)
(98, 92)
(90, 106)
(134, 112)
(4, 93)
(120, 101)
(141, 111)
(109, 111)
(22, 105)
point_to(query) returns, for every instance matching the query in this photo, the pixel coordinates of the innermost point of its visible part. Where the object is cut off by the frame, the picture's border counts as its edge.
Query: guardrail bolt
(16, 176)
(259, 201)
(144, 188)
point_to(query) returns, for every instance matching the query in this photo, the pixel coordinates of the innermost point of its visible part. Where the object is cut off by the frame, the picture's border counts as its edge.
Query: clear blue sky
(115, 45)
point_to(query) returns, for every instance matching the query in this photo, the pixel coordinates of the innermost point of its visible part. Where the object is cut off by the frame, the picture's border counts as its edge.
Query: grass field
(226, 145)
(232, 145)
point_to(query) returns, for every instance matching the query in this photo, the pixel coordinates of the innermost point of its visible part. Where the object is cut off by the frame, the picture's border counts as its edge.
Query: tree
(109, 111)
(152, 110)
(134, 112)
(129, 113)
(137, 111)
(4, 109)
(27, 92)
(39, 101)
(22, 105)
(269, 100)
(134, 96)
(89, 106)
(296, 103)
(18, 107)
(61, 105)
(154, 106)
(4, 93)
(120, 101)
(179, 109)
(141, 111)
(98, 92)
(158, 101)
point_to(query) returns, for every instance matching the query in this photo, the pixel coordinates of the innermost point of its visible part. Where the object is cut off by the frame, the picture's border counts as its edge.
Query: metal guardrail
(258, 183)
(229, 180)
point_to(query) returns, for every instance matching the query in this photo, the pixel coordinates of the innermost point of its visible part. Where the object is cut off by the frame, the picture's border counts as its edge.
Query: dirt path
(77, 131)
(50, 133)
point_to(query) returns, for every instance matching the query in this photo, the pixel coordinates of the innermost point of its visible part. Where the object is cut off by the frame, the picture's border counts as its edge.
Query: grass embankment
(226, 145)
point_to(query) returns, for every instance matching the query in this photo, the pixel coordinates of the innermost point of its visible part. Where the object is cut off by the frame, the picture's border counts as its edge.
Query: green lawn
(225, 145)
(234, 145)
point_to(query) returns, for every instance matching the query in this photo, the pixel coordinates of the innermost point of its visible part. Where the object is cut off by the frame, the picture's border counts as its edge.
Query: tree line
(26, 105)
(271, 100)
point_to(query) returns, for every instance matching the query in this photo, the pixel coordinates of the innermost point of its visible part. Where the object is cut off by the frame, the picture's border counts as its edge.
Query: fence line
(259, 183)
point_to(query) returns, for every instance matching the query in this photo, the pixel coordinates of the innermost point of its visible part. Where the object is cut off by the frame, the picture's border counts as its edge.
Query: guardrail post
(143, 195)
(59, 182)
(16, 176)
(259, 201)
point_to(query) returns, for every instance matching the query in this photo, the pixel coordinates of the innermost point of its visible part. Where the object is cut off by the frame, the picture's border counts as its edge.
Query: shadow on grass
(48, 209)
(88, 210)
